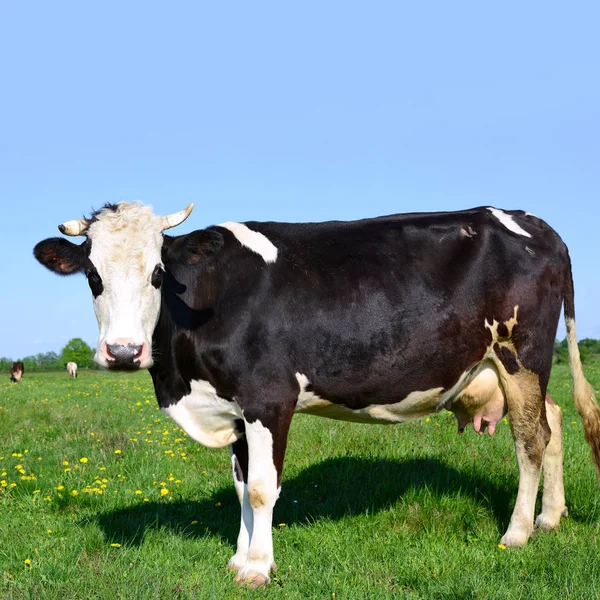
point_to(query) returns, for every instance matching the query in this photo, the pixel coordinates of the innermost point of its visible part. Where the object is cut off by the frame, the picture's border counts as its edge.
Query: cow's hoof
(514, 539)
(236, 563)
(549, 520)
(251, 579)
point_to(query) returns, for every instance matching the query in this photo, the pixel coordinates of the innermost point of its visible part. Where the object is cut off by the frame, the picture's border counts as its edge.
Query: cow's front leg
(266, 440)
(239, 465)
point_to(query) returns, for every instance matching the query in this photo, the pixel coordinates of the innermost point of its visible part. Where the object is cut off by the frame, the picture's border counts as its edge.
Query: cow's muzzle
(124, 357)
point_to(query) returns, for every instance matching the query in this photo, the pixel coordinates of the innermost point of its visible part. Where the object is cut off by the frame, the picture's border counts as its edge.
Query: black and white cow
(16, 371)
(381, 320)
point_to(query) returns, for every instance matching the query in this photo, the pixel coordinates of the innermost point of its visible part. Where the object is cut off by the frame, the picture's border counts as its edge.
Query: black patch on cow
(185, 316)
(94, 280)
(96, 212)
(60, 256)
(192, 249)
(502, 330)
(157, 276)
(239, 450)
(507, 358)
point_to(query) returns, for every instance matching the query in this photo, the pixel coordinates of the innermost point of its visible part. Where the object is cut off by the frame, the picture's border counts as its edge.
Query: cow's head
(123, 260)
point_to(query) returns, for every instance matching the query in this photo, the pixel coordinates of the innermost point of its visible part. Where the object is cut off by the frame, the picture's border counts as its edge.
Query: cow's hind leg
(531, 434)
(553, 498)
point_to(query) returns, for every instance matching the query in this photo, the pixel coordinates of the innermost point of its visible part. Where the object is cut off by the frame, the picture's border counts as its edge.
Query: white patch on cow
(508, 221)
(253, 240)
(416, 404)
(262, 495)
(238, 560)
(468, 231)
(206, 417)
(126, 247)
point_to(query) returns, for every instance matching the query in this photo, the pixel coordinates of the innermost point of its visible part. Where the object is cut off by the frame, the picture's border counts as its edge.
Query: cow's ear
(192, 248)
(60, 255)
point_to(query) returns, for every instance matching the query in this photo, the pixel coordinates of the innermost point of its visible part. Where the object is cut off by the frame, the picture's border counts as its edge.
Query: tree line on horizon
(78, 351)
(75, 350)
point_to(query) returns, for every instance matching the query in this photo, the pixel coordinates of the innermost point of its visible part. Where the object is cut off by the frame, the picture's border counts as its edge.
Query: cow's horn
(75, 227)
(177, 218)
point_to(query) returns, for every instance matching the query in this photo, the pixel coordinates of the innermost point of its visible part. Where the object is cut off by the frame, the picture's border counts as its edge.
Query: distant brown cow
(16, 371)
(72, 369)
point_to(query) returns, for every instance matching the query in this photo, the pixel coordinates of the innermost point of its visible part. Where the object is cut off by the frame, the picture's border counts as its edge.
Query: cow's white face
(121, 259)
(126, 255)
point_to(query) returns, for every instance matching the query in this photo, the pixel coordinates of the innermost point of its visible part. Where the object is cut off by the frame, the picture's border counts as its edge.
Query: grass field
(103, 497)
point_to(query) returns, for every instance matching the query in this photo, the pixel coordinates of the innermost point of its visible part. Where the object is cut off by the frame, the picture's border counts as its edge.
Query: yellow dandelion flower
(12, 485)
(218, 504)
(194, 523)
(281, 524)
(427, 420)
(28, 562)
(502, 546)
(60, 487)
(49, 530)
(36, 491)
(83, 460)
(138, 492)
(65, 463)
(117, 452)
(164, 491)
(74, 492)
(115, 545)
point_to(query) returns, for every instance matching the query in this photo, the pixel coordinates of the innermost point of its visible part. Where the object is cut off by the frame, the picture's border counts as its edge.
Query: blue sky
(299, 112)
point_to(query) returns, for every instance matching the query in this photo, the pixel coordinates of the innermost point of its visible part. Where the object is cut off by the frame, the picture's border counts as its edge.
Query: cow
(72, 369)
(380, 320)
(16, 371)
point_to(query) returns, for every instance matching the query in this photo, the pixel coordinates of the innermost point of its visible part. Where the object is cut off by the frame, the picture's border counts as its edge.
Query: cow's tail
(583, 392)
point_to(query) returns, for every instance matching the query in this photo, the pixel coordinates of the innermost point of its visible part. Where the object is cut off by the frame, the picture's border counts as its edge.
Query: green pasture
(103, 497)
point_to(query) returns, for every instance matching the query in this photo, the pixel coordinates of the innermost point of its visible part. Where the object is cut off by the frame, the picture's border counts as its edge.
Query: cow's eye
(157, 276)
(95, 282)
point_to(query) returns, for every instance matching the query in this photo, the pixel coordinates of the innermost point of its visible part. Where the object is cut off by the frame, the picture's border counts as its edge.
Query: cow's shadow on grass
(332, 489)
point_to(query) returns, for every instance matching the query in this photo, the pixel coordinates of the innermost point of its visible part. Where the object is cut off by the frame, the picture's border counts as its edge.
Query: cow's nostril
(138, 351)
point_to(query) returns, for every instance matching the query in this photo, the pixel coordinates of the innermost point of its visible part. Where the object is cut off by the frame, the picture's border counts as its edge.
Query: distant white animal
(72, 369)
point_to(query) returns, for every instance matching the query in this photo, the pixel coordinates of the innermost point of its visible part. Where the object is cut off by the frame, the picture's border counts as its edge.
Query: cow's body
(72, 369)
(381, 320)
(16, 371)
